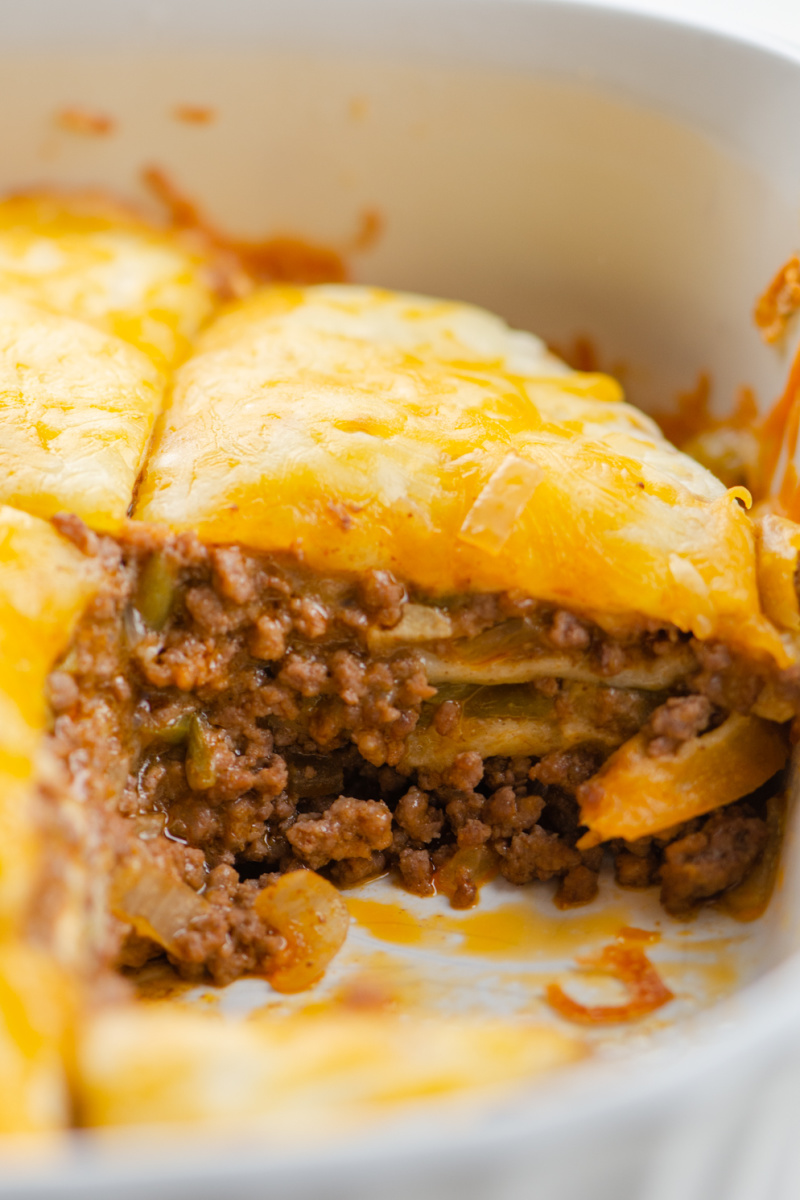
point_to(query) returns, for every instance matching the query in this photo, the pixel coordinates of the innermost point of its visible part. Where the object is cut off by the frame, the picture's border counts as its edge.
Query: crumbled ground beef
(416, 870)
(221, 713)
(447, 718)
(728, 682)
(510, 810)
(635, 870)
(351, 871)
(466, 771)
(382, 597)
(712, 858)
(349, 829)
(579, 886)
(415, 814)
(676, 721)
(567, 769)
(568, 632)
(232, 940)
(537, 855)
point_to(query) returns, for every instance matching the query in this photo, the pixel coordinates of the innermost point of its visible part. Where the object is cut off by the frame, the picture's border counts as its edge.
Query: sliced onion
(419, 623)
(156, 904)
(473, 865)
(313, 919)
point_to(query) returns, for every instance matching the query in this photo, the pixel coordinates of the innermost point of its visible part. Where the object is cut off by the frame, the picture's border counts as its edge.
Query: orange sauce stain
(370, 230)
(388, 922)
(513, 931)
(583, 354)
(194, 114)
(86, 122)
(281, 258)
(779, 435)
(626, 961)
(690, 414)
(776, 473)
(379, 983)
(516, 930)
(779, 302)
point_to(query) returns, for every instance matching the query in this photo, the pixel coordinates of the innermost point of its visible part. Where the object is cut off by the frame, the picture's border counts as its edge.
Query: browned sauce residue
(626, 961)
(583, 354)
(776, 477)
(370, 230)
(85, 121)
(365, 994)
(282, 258)
(194, 114)
(512, 932)
(779, 302)
(690, 414)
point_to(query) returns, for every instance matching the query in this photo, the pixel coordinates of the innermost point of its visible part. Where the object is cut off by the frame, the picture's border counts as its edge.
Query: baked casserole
(317, 583)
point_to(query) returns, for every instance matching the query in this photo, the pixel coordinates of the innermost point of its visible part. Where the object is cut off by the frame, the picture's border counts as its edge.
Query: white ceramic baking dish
(582, 170)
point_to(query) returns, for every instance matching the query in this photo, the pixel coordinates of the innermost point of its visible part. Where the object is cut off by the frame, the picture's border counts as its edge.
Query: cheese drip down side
(368, 429)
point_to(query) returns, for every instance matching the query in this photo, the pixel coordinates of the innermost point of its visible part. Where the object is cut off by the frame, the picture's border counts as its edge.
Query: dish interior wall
(567, 209)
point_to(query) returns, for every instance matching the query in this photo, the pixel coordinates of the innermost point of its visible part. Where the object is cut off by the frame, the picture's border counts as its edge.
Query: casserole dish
(629, 306)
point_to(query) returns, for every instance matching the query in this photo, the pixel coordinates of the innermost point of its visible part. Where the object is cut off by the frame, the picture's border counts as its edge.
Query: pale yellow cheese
(77, 408)
(87, 257)
(167, 1063)
(36, 1019)
(45, 585)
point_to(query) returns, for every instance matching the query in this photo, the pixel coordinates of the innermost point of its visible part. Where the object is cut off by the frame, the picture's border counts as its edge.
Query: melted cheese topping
(365, 429)
(77, 407)
(88, 258)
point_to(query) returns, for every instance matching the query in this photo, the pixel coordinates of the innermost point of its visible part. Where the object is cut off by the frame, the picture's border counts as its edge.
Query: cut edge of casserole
(380, 585)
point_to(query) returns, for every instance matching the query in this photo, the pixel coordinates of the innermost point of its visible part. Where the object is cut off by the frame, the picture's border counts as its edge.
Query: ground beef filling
(227, 722)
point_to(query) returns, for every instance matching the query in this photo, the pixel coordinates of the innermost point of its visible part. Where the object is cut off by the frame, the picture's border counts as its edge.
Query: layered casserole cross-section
(331, 582)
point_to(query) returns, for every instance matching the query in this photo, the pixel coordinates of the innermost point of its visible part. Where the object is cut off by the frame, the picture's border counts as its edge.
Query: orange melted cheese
(466, 456)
